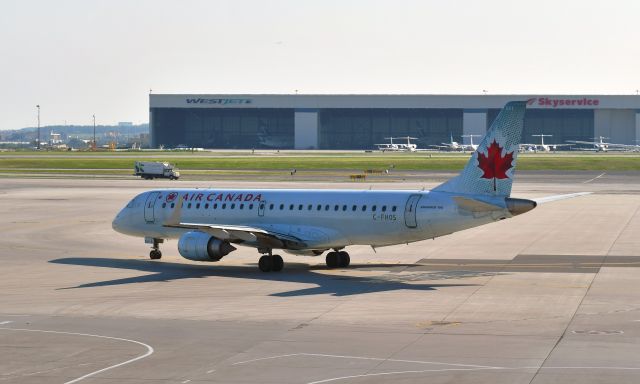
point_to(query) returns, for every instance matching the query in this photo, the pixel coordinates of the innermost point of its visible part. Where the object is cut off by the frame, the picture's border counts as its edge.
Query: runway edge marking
(149, 352)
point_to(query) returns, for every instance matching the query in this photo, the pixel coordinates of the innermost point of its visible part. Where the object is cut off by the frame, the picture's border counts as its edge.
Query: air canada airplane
(210, 223)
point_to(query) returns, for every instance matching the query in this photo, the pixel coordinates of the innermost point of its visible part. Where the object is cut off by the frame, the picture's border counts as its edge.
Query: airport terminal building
(361, 121)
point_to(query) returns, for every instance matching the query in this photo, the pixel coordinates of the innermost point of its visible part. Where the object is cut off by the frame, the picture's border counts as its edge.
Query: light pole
(94, 132)
(38, 142)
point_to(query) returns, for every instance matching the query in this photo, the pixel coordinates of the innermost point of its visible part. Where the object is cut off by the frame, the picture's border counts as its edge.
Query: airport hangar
(360, 121)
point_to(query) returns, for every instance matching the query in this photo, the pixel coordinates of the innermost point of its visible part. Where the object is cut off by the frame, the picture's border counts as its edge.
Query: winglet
(176, 215)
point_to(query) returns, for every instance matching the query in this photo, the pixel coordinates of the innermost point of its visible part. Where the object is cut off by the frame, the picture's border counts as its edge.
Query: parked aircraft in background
(599, 145)
(542, 147)
(398, 147)
(455, 146)
(390, 146)
(210, 223)
(470, 146)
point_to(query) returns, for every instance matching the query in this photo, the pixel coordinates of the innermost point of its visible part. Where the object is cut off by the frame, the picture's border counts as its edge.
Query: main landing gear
(337, 259)
(155, 253)
(270, 262)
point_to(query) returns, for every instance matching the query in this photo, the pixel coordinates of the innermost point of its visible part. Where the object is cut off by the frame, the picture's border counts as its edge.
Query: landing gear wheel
(155, 254)
(344, 259)
(332, 259)
(277, 263)
(265, 263)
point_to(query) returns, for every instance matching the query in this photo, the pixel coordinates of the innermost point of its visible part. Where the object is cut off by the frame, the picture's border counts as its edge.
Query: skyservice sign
(200, 100)
(550, 102)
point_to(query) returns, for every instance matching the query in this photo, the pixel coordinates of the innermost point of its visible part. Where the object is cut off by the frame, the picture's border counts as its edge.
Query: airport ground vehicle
(155, 169)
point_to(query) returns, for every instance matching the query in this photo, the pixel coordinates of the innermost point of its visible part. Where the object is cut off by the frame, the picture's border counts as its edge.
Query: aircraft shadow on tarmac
(336, 285)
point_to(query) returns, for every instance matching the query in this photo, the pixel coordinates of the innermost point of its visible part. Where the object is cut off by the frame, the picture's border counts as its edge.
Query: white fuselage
(322, 219)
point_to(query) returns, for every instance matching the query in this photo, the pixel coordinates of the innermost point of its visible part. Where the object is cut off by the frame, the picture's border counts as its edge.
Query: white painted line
(266, 358)
(148, 353)
(461, 367)
(211, 371)
(366, 358)
(595, 178)
(186, 381)
(464, 369)
(5, 322)
(397, 373)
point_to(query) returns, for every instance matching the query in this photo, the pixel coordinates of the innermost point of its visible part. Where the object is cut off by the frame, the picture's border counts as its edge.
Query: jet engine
(200, 246)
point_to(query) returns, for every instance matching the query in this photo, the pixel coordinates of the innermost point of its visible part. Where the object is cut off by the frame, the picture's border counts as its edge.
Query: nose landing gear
(155, 253)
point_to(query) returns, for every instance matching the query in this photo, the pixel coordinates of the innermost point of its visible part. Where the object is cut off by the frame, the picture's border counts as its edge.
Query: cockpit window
(134, 201)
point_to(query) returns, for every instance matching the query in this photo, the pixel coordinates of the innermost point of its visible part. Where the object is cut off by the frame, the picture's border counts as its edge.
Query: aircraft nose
(118, 222)
(115, 224)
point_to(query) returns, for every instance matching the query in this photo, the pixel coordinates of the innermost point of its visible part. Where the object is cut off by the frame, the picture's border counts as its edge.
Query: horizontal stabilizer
(549, 199)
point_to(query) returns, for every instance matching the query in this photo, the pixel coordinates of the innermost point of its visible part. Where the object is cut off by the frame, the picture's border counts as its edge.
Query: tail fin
(490, 168)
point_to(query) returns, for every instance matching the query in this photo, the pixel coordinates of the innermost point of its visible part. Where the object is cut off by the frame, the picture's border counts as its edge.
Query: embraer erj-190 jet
(209, 223)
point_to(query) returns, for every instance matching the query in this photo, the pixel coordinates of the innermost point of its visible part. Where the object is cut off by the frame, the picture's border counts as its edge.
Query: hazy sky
(77, 58)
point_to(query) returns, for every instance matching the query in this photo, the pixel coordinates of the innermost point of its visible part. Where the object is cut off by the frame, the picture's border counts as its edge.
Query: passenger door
(261, 206)
(149, 205)
(410, 209)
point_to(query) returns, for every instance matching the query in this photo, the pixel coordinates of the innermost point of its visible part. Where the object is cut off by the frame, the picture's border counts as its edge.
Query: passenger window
(373, 209)
(300, 207)
(364, 208)
(336, 208)
(344, 207)
(309, 207)
(189, 206)
(384, 208)
(393, 209)
(319, 207)
(206, 206)
(198, 206)
(173, 205)
(224, 206)
(354, 208)
(215, 206)
(291, 207)
(164, 205)
(233, 206)
(241, 206)
(281, 207)
(326, 207)
(271, 207)
(251, 206)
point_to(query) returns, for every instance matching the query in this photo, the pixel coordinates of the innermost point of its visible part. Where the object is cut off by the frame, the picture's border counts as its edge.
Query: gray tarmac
(552, 296)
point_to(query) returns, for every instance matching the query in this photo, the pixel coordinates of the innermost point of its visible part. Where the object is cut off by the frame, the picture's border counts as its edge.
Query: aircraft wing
(626, 146)
(583, 142)
(236, 233)
(549, 199)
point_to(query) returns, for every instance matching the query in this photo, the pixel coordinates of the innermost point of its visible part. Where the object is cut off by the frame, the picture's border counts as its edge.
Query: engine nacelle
(200, 246)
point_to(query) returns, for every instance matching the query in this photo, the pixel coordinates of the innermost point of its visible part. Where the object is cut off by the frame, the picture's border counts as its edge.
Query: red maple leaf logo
(172, 196)
(493, 164)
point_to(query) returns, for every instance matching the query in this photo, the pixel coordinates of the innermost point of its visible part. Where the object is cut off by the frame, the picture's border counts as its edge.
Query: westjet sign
(551, 102)
(200, 100)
